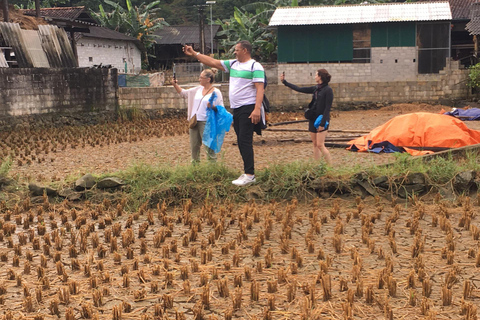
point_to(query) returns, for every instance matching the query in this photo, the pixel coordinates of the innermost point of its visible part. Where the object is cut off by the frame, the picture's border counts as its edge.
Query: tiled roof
(183, 34)
(105, 33)
(69, 13)
(460, 8)
(474, 26)
(363, 13)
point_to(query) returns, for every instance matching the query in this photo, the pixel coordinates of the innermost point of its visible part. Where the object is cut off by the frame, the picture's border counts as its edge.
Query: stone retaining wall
(46, 90)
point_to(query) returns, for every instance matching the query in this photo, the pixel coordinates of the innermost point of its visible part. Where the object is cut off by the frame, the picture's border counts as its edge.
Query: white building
(108, 47)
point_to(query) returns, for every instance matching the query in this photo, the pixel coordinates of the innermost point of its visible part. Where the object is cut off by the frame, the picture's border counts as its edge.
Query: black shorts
(312, 129)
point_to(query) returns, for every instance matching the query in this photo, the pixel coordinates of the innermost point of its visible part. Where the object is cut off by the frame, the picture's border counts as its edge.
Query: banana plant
(249, 26)
(138, 22)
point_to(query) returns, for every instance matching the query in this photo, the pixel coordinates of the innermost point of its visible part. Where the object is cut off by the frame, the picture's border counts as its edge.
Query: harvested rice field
(326, 259)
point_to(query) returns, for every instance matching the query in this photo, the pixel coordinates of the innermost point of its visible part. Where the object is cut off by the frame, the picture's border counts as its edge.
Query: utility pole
(202, 28)
(211, 3)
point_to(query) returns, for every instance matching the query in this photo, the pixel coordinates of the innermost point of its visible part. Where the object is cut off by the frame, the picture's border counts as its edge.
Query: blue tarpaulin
(218, 123)
(469, 114)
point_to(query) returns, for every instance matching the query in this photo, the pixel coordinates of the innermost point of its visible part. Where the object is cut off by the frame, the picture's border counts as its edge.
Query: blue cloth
(218, 123)
(383, 146)
(469, 114)
(318, 121)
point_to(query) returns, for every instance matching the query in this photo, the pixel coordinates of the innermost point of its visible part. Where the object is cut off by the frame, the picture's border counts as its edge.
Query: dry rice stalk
(412, 299)
(272, 286)
(254, 290)
(392, 286)
(291, 290)
(205, 297)
(425, 306)
(426, 287)
(359, 289)
(411, 279)
(69, 314)
(168, 301)
(369, 294)
(337, 243)
(343, 284)
(222, 286)
(271, 302)
(237, 298)
(347, 311)
(53, 307)
(446, 296)
(117, 312)
(350, 296)
(387, 310)
(327, 287)
(467, 289)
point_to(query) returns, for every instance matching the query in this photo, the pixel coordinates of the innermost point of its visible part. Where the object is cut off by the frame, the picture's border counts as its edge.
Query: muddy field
(358, 258)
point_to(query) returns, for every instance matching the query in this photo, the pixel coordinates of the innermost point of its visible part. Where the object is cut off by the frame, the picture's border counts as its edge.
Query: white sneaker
(243, 180)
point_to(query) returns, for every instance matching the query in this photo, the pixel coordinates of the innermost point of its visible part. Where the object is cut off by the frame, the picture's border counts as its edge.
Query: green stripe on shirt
(247, 74)
(227, 64)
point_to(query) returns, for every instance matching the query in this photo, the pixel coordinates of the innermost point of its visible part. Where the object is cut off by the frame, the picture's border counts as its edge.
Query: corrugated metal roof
(474, 26)
(12, 35)
(35, 49)
(3, 61)
(183, 34)
(363, 13)
(460, 8)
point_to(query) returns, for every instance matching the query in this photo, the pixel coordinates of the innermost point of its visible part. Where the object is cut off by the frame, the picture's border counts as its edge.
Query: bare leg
(321, 146)
(316, 151)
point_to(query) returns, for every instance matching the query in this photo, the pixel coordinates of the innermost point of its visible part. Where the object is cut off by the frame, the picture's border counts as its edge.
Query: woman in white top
(197, 101)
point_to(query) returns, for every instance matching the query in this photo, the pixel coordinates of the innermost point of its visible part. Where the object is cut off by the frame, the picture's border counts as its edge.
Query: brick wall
(44, 90)
(93, 51)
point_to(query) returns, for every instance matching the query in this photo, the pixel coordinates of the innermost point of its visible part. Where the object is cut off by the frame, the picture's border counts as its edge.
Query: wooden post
(475, 46)
(5, 11)
(37, 8)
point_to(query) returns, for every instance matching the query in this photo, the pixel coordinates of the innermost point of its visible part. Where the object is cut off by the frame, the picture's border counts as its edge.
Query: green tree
(251, 26)
(138, 22)
(474, 77)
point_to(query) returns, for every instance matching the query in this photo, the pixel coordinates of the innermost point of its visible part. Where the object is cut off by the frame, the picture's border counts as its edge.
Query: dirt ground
(271, 147)
(325, 259)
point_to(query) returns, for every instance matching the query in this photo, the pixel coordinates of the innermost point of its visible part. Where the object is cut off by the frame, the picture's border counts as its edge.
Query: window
(361, 43)
(433, 46)
(90, 59)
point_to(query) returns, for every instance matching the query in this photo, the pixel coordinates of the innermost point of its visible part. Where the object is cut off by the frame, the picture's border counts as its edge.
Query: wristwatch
(197, 54)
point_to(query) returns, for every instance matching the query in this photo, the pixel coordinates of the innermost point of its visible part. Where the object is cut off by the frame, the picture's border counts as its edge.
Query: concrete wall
(93, 51)
(448, 84)
(387, 64)
(44, 90)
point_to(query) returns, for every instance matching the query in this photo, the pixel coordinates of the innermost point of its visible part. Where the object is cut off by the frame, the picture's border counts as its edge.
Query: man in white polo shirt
(246, 96)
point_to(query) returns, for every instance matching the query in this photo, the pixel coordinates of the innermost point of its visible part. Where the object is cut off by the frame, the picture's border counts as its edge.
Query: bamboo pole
(305, 130)
(286, 122)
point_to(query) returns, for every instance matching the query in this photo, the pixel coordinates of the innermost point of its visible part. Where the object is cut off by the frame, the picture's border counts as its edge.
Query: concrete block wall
(92, 51)
(387, 64)
(449, 85)
(393, 64)
(45, 90)
(165, 97)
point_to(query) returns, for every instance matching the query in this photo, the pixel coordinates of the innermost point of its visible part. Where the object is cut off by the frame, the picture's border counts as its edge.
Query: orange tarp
(420, 129)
